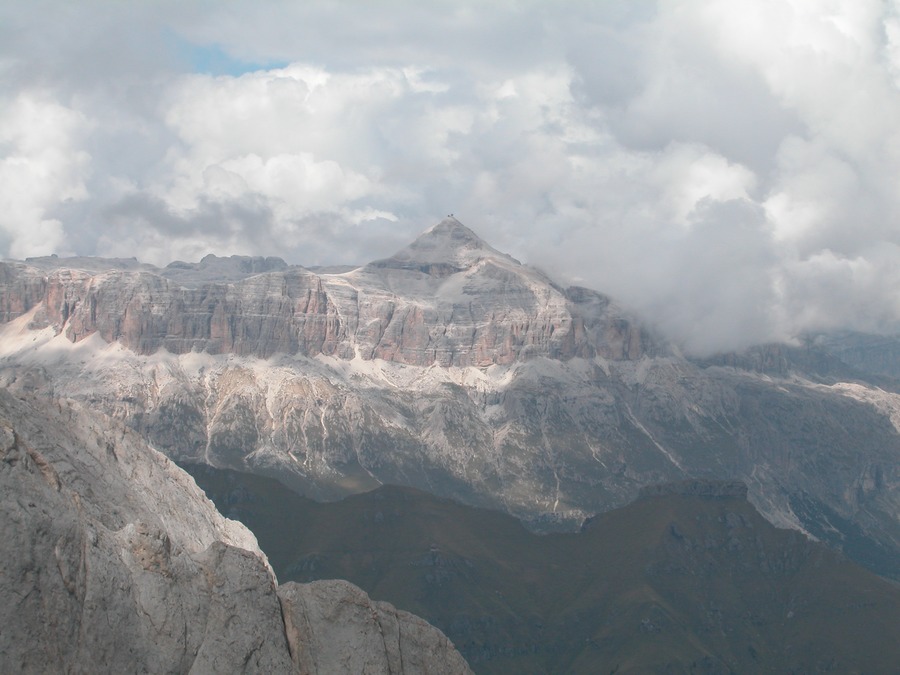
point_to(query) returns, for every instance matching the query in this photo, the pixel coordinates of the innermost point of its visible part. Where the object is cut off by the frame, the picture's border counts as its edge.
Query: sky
(728, 169)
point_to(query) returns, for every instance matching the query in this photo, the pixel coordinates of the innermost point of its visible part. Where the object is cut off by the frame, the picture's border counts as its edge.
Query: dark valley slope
(687, 579)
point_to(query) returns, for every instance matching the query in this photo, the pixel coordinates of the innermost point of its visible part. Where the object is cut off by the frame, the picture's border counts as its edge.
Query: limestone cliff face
(113, 561)
(280, 312)
(448, 299)
(22, 288)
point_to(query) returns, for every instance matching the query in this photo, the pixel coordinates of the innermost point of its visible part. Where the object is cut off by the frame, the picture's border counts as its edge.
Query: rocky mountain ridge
(114, 561)
(453, 368)
(448, 300)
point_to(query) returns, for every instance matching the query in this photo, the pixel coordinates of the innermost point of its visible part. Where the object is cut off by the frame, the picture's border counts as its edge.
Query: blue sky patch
(212, 59)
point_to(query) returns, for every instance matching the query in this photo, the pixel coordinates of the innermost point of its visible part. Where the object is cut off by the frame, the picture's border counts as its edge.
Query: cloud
(728, 168)
(41, 165)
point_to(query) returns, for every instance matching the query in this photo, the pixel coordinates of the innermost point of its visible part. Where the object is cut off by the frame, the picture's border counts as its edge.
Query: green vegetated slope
(671, 583)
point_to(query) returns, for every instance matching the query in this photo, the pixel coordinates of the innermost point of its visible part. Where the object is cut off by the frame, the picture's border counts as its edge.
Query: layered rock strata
(477, 308)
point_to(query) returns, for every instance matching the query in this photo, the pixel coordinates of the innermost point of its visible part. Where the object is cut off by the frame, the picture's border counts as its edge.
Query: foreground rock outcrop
(334, 627)
(112, 560)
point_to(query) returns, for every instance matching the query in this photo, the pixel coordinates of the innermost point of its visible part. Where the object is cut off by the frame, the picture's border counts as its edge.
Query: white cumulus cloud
(42, 165)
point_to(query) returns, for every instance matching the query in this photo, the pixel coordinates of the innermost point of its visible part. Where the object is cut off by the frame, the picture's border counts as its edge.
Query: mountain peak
(449, 243)
(451, 228)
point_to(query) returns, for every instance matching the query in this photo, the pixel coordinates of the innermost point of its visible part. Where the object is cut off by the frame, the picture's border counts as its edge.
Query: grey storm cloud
(140, 211)
(727, 168)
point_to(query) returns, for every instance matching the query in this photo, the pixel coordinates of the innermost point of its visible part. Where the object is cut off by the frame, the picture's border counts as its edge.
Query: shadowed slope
(674, 582)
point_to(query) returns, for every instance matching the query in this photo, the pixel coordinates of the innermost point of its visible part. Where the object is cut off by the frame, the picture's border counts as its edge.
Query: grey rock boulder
(334, 627)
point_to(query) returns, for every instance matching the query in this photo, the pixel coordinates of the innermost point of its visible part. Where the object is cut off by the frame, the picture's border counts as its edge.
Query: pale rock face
(112, 560)
(335, 628)
(449, 367)
(22, 289)
(449, 299)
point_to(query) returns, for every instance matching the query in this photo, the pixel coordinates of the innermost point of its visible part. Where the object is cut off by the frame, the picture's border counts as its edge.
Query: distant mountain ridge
(453, 368)
(402, 309)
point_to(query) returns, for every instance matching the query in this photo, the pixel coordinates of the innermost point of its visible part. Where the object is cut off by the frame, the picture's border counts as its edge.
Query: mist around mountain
(689, 578)
(452, 368)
